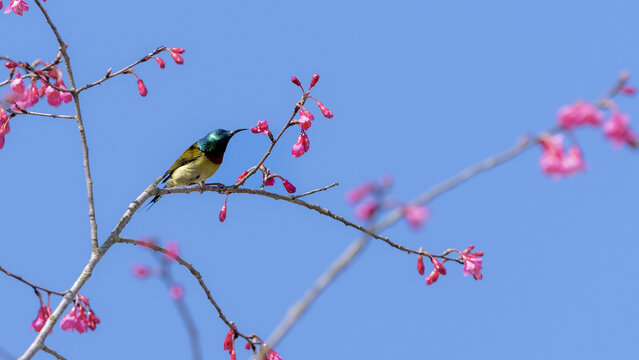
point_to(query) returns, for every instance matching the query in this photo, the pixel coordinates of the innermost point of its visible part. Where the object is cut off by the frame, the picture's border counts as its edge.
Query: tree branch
(52, 352)
(34, 286)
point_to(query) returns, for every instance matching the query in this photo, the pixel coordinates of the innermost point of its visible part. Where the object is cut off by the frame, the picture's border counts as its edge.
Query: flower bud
(326, 112)
(314, 80)
(141, 88)
(420, 265)
(177, 58)
(288, 186)
(432, 277)
(160, 61)
(17, 85)
(296, 81)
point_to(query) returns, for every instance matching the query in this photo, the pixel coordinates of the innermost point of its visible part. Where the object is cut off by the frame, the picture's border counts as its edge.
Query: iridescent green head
(216, 141)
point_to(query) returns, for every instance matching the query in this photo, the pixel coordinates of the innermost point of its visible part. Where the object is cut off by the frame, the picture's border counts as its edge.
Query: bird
(199, 162)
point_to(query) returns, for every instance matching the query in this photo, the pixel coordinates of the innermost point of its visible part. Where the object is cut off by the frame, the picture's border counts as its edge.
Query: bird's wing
(191, 154)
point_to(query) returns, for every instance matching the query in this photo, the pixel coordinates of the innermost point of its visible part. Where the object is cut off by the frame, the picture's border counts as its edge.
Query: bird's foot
(202, 185)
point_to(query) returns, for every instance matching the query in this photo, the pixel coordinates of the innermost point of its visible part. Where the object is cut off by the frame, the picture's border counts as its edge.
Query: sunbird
(199, 162)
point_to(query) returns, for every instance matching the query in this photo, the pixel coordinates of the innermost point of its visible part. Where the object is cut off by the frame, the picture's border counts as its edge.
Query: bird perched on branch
(199, 162)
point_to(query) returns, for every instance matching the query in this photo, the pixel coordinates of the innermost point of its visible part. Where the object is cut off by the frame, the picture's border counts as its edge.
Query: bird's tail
(153, 201)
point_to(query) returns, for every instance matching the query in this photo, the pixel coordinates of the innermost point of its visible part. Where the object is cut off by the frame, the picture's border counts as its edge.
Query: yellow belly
(192, 173)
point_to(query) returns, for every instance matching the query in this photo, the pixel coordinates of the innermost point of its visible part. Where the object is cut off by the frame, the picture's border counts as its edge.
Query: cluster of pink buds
(51, 86)
(175, 54)
(306, 118)
(617, 129)
(142, 271)
(229, 345)
(4, 126)
(43, 314)
(472, 265)
(371, 197)
(81, 317)
(268, 179)
(17, 6)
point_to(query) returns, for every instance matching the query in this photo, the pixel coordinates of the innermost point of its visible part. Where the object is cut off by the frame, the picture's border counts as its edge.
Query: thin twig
(53, 352)
(26, 112)
(193, 272)
(34, 286)
(314, 191)
(78, 118)
(123, 70)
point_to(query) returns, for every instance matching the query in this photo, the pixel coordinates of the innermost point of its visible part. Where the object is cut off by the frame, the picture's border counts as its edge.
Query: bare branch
(26, 112)
(123, 70)
(53, 352)
(314, 191)
(34, 286)
(78, 118)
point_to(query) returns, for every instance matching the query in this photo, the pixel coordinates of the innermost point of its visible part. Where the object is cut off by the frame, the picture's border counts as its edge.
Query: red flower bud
(478, 253)
(10, 65)
(223, 213)
(326, 112)
(314, 80)
(296, 81)
(239, 178)
(420, 265)
(177, 50)
(177, 58)
(247, 346)
(628, 90)
(438, 266)
(160, 62)
(288, 186)
(142, 88)
(432, 277)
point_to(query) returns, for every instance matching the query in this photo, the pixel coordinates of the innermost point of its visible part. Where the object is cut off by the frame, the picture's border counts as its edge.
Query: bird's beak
(237, 131)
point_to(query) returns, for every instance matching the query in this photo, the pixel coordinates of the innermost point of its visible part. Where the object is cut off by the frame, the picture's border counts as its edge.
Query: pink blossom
(272, 355)
(314, 80)
(262, 127)
(142, 88)
(239, 178)
(75, 320)
(438, 266)
(472, 265)
(33, 95)
(296, 81)
(17, 84)
(53, 96)
(551, 158)
(416, 215)
(356, 194)
(573, 162)
(366, 209)
(288, 186)
(93, 320)
(432, 277)
(140, 271)
(420, 265)
(177, 50)
(326, 112)
(618, 130)
(18, 6)
(579, 113)
(267, 178)
(222, 215)
(43, 314)
(9, 64)
(160, 61)
(66, 97)
(306, 118)
(176, 292)
(301, 146)
(172, 250)
(3, 116)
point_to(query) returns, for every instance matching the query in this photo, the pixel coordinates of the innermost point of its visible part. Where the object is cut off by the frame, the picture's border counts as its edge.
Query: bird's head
(216, 140)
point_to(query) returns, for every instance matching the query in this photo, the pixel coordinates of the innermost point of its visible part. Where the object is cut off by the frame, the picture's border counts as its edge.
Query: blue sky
(419, 89)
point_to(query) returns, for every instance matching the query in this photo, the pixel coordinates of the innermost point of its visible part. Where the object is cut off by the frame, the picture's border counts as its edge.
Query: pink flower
(267, 178)
(53, 96)
(141, 88)
(416, 215)
(33, 95)
(551, 158)
(432, 277)
(140, 271)
(176, 292)
(301, 146)
(306, 119)
(222, 215)
(172, 250)
(17, 85)
(9, 64)
(366, 209)
(18, 6)
(579, 113)
(420, 265)
(262, 127)
(472, 265)
(618, 130)
(326, 112)
(43, 314)
(160, 61)
(314, 80)
(66, 97)
(438, 266)
(272, 355)
(573, 162)
(296, 81)
(75, 320)
(288, 186)
(356, 194)
(93, 320)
